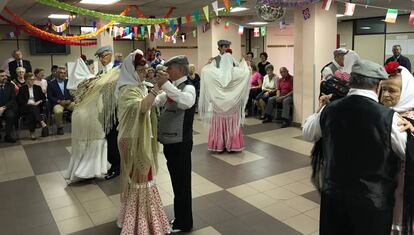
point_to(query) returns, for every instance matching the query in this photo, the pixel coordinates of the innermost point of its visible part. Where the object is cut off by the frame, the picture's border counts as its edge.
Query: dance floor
(263, 190)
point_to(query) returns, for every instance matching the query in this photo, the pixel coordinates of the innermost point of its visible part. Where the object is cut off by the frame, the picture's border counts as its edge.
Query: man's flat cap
(180, 59)
(369, 69)
(103, 49)
(223, 43)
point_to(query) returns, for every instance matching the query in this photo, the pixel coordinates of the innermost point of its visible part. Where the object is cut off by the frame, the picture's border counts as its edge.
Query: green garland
(118, 18)
(100, 15)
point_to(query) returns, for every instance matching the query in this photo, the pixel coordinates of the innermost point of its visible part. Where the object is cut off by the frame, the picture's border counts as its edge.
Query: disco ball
(268, 11)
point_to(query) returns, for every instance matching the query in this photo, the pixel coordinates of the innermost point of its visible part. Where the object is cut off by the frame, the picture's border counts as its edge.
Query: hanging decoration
(306, 13)
(226, 5)
(238, 2)
(197, 16)
(35, 34)
(206, 13)
(100, 15)
(327, 4)
(290, 3)
(241, 30)
(188, 21)
(391, 16)
(411, 19)
(282, 25)
(62, 28)
(195, 33)
(58, 37)
(256, 32)
(349, 9)
(179, 23)
(263, 31)
(268, 11)
(215, 7)
(227, 25)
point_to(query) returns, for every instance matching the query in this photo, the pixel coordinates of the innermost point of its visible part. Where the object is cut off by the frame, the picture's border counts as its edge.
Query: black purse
(335, 86)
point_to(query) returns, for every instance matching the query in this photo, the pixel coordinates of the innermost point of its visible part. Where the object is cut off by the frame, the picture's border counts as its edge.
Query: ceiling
(37, 13)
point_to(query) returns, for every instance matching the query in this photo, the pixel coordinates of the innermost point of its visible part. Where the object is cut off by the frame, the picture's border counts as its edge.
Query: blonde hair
(20, 68)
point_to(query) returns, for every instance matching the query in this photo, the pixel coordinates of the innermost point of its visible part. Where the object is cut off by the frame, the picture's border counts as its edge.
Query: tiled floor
(263, 190)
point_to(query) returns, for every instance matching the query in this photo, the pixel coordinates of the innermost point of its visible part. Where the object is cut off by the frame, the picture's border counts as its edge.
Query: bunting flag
(215, 7)
(391, 16)
(183, 36)
(241, 30)
(238, 2)
(282, 24)
(263, 31)
(136, 31)
(157, 30)
(99, 25)
(127, 30)
(206, 13)
(411, 19)
(116, 31)
(195, 33)
(349, 9)
(227, 5)
(327, 4)
(179, 23)
(197, 16)
(121, 31)
(256, 32)
(142, 31)
(227, 25)
(149, 30)
(111, 31)
(188, 21)
(172, 25)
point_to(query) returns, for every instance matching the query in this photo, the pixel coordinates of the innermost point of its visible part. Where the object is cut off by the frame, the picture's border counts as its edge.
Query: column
(315, 40)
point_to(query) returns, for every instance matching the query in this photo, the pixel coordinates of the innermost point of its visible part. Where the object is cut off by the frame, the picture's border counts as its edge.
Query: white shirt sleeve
(160, 100)
(311, 130)
(185, 99)
(398, 138)
(326, 72)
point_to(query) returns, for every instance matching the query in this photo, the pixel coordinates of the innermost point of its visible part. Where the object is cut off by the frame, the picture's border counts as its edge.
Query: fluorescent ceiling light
(257, 23)
(238, 9)
(99, 2)
(234, 9)
(365, 27)
(59, 16)
(339, 15)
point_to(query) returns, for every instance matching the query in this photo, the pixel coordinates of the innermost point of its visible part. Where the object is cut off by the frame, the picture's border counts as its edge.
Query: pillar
(315, 41)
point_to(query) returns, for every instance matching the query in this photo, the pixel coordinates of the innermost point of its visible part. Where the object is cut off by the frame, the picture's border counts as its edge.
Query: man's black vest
(359, 161)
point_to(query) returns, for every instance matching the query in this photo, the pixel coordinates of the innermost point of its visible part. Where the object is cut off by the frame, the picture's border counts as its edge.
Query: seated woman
(268, 90)
(39, 80)
(141, 208)
(398, 94)
(31, 99)
(255, 88)
(151, 76)
(19, 81)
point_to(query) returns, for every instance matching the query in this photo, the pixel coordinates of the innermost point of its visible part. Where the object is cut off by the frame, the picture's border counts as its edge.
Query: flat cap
(160, 67)
(179, 59)
(340, 51)
(104, 49)
(369, 69)
(223, 43)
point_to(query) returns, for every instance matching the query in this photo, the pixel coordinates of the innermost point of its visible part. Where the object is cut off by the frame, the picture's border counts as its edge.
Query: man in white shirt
(362, 147)
(336, 64)
(175, 132)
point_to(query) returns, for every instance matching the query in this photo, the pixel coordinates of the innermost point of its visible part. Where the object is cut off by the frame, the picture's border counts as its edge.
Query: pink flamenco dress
(141, 210)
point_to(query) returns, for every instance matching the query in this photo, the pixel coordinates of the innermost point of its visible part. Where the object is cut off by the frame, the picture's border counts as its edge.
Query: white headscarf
(128, 75)
(78, 71)
(406, 102)
(349, 59)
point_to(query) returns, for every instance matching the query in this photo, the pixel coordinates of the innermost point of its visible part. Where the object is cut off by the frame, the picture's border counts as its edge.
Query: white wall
(280, 48)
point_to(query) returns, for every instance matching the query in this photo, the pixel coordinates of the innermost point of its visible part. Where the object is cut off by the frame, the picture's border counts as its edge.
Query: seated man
(60, 98)
(283, 99)
(8, 105)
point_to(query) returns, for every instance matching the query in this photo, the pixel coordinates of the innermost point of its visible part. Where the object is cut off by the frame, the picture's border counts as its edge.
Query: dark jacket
(54, 94)
(404, 61)
(23, 96)
(13, 67)
(9, 96)
(360, 163)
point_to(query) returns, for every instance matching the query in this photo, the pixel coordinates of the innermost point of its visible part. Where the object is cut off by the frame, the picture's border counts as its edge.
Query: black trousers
(341, 215)
(112, 149)
(32, 115)
(178, 157)
(10, 118)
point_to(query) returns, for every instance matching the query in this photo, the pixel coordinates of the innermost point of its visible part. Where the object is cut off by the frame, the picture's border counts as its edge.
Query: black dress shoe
(9, 139)
(60, 131)
(111, 175)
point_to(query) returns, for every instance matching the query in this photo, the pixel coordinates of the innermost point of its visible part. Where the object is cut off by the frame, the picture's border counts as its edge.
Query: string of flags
(391, 16)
